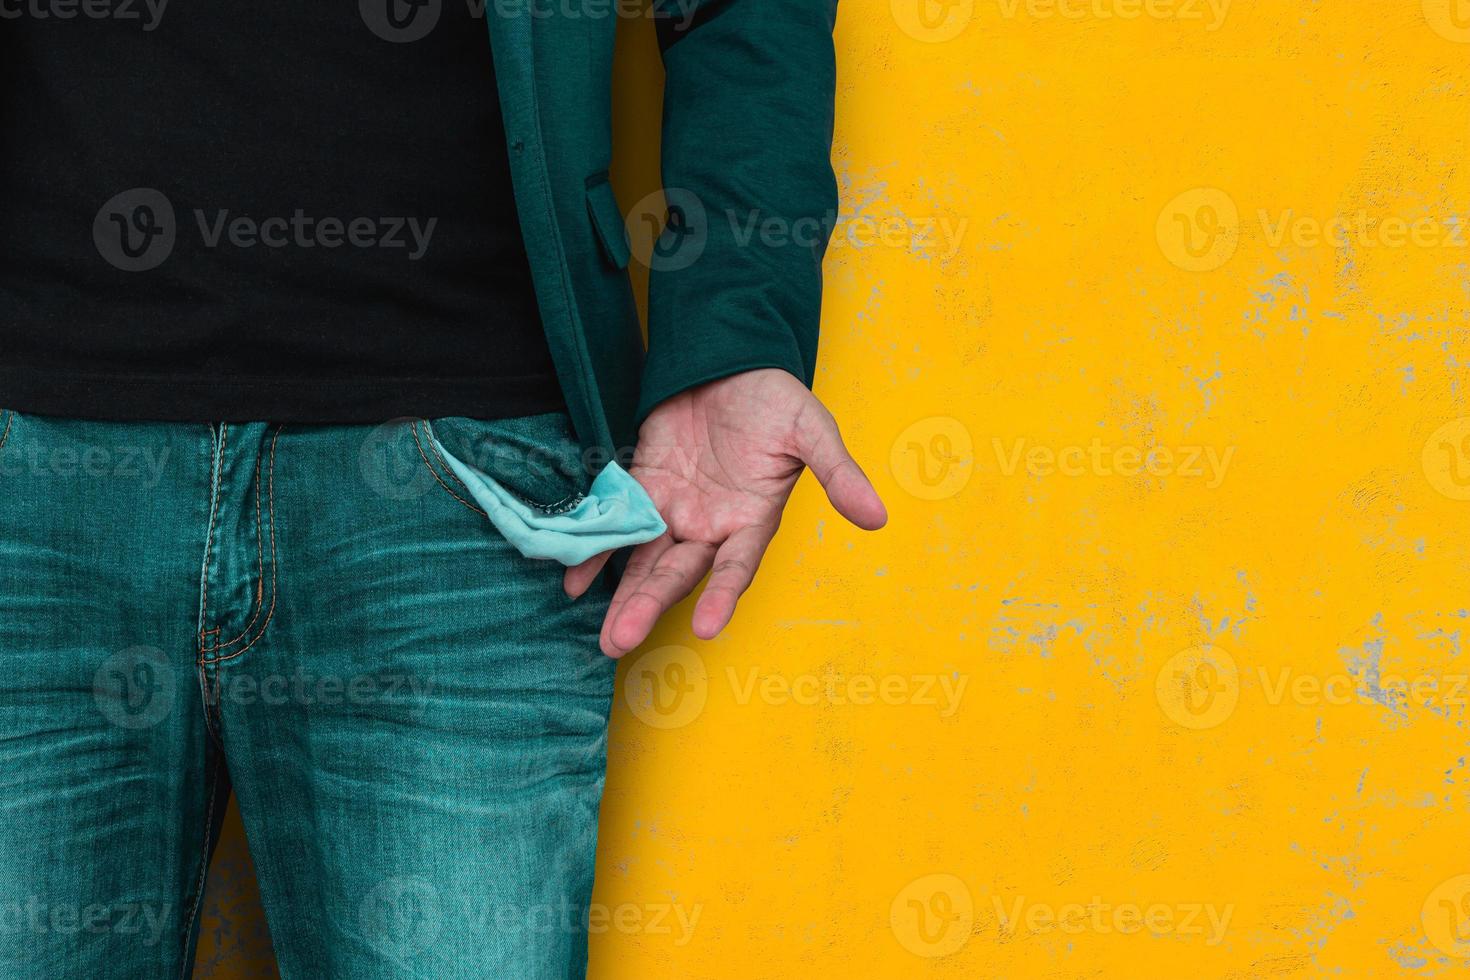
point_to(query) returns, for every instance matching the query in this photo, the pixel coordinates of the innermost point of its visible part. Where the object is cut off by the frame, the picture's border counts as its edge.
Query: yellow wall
(1209, 712)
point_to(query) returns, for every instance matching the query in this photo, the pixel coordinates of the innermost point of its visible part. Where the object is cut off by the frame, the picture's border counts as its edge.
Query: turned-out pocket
(526, 476)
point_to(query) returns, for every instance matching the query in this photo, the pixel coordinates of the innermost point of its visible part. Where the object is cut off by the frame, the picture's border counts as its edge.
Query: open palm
(720, 462)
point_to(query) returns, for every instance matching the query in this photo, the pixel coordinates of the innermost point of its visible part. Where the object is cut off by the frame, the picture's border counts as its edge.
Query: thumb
(819, 445)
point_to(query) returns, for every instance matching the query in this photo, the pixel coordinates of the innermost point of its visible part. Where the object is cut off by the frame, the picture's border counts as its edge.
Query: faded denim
(411, 713)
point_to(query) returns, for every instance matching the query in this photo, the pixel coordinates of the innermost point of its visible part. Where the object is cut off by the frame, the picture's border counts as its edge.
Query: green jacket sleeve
(736, 280)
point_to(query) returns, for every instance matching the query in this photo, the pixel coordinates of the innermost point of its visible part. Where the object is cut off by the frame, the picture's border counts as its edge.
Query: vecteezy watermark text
(1100, 459)
(1209, 13)
(35, 916)
(139, 463)
(138, 230)
(1185, 919)
(148, 13)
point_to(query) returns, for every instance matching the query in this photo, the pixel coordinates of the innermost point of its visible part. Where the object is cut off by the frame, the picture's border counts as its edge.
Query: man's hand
(720, 462)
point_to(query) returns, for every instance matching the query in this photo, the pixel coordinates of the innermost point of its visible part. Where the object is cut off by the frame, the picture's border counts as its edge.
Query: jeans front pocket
(527, 477)
(535, 457)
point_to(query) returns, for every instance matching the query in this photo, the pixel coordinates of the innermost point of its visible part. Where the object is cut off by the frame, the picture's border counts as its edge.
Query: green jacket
(747, 136)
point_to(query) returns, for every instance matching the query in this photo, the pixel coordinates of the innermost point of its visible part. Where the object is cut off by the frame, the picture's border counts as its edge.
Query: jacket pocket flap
(607, 219)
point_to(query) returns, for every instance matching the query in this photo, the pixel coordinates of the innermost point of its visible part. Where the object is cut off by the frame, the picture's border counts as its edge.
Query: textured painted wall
(1150, 317)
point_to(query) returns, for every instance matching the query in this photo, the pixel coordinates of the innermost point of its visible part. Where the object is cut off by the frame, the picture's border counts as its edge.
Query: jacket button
(518, 146)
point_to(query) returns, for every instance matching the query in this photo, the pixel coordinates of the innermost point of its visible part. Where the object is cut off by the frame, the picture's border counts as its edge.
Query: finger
(640, 565)
(735, 566)
(580, 577)
(848, 488)
(677, 573)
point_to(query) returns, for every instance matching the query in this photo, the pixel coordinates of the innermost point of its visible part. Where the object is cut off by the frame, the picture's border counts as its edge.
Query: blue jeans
(411, 715)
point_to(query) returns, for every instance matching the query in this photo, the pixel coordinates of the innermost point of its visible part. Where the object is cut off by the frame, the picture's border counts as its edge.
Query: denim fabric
(411, 713)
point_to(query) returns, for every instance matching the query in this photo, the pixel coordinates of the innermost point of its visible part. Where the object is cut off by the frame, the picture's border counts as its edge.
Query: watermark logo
(148, 13)
(391, 461)
(402, 914)
(1450, 19)
(668, 230)
(933, 916)
(306, 688)
(406, 915)
(1098, 458)
(1368, 688)
(1446, 917)
(675, 921)
(934, 458)
(140, 922)
(939, 236)
(401, 21)
(667, 687)
(942, 692)
(932, 21)
(1186, 920)
(1360, 229)
(1210, 13)
(1198, 688)
(136, 230)
(301, 230)
(97, 462)
(1199, 230)
(1446, 459)
(134, 688)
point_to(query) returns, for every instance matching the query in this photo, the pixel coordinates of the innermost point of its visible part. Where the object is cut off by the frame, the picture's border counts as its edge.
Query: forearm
(747, 139)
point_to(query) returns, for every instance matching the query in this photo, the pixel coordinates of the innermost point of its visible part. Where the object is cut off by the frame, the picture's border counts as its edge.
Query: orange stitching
(274, 562)
(9, 418)
(415, 430)
(448, 470)
(259, 572)
(219, 465)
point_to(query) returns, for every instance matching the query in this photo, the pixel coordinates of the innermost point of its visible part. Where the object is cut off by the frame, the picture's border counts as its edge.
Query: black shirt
(273, 209)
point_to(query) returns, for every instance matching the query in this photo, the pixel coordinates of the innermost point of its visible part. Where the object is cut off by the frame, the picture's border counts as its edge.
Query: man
(254, 256)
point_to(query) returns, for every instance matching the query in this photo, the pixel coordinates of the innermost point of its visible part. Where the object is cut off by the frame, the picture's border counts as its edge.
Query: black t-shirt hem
(231, 398)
